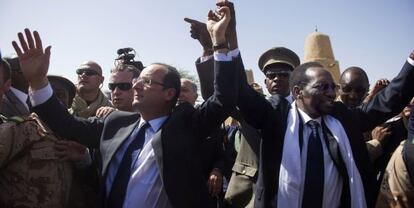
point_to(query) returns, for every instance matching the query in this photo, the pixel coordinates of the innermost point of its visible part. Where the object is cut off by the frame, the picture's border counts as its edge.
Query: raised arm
(205, 63)
(223, 101)
(392, 99)
(34, 63)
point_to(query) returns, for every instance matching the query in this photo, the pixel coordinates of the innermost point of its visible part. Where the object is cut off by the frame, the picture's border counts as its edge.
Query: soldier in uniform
(31, 175)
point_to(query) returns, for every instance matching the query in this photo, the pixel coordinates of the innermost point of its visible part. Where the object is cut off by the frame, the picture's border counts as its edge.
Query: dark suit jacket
(176, 145)
(243, 165)
(272, 121)
(12, 106)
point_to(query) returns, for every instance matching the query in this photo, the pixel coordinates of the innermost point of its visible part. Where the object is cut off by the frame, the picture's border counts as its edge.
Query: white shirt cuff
(409, 60)
(40, 96)
(205, 58)
(226, 57)
(234, 53)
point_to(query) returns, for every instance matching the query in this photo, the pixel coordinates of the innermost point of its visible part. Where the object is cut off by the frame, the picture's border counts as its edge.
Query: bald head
(354, 86)
(91, 65)
(353, 73)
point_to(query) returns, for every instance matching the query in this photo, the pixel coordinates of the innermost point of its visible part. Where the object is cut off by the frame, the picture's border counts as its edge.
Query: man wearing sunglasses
(277, 64)
(150, 159)
(120, 84)
(354, 86)
(89, 96)
(14, 102)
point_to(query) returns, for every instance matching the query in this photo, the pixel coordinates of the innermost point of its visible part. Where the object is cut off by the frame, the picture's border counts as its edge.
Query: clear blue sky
(375, 35)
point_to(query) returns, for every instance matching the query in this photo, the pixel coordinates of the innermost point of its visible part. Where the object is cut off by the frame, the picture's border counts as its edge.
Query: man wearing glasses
(150, 159)
(89, 96)
(120, 84)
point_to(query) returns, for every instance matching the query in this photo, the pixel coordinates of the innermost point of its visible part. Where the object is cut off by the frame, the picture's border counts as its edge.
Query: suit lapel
(156, 143)
(110, 146)
(16, 103)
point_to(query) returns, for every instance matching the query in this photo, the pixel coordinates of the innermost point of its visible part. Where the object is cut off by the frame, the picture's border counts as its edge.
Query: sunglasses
(325, 87)
(87, 72)
(272, 75)
(121, 85)
(358, 90)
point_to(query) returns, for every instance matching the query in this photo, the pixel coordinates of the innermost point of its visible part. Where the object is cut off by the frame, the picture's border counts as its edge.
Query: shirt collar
(306, 118)
(155, 123)
(19, 94)
(289, 98)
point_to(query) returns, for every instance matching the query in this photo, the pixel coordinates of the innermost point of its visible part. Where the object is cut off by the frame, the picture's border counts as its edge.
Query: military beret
(69, 86)
(278, 55)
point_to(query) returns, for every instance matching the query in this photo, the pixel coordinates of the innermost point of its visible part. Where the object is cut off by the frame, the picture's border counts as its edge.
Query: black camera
(126, 56)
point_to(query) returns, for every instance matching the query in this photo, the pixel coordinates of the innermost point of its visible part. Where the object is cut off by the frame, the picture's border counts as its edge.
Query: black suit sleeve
(389, 101)
(205, 71)
(57, 117)
(256, 110)
(217, 107)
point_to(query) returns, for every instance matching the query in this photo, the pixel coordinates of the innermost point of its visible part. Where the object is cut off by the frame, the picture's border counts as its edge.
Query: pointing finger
(192, 21)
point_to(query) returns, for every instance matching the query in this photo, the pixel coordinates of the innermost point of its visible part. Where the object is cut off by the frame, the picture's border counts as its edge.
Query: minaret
(318, 48)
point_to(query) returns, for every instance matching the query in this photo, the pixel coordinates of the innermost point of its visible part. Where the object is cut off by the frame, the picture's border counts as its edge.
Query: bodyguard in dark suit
(151, 159)
(326, 132)
(14, 100)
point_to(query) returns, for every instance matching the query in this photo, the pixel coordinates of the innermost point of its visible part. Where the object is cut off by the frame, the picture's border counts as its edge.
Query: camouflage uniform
(396, 188)
(31, 175)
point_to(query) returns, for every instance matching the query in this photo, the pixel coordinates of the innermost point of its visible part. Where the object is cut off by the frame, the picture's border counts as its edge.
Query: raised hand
(231, 34)
(199, 31)
(217, 23)
(379, 85)
(34, 62)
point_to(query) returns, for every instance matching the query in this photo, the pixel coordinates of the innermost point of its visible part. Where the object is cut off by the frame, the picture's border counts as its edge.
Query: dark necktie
(29, 104)
(314, 178)
(119, 185)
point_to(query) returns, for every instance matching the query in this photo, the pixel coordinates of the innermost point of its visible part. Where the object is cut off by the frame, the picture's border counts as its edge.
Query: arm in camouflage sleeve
(16, 139)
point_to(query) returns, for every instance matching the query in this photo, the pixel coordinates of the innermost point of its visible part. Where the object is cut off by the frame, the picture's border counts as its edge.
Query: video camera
(126, 56)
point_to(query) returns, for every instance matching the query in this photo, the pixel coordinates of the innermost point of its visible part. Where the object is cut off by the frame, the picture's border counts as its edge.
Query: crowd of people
(311, 143)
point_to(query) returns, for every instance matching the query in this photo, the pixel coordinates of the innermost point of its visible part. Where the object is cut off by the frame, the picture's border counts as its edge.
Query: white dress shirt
(333, 182)
(145, 188)
(21, 96)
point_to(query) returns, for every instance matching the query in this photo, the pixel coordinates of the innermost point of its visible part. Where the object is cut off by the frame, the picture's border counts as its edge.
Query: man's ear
(170, 94)
(297, 92)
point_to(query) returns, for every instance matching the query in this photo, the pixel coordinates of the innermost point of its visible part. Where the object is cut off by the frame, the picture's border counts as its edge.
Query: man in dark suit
(14, 101)
(151, 159)
(335, 142)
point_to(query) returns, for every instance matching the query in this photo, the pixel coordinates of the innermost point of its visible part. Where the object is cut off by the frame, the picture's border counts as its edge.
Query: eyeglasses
(325, 87)
(272, 75)
(147, 82)
(121, 85)
(358, 90)
(87, 72)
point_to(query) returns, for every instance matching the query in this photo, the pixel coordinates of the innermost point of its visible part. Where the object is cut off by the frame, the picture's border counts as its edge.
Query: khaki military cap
(278, 55)
(67, 84)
